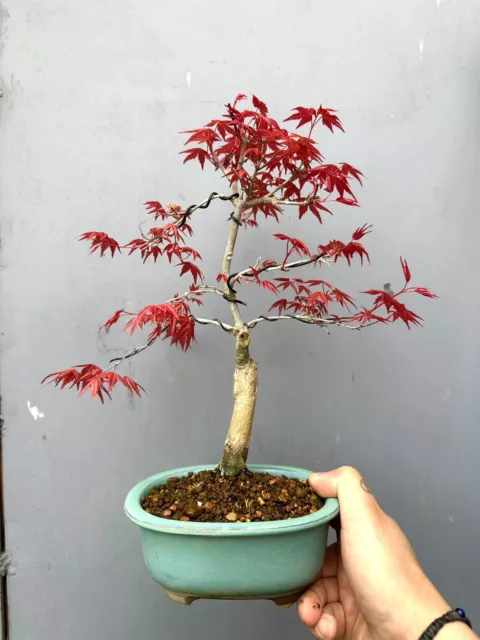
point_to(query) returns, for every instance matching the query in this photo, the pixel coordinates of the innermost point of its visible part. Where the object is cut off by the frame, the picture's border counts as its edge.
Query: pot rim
(141, 518)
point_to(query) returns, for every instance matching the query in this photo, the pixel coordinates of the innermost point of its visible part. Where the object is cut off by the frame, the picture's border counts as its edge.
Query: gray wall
(94, 93)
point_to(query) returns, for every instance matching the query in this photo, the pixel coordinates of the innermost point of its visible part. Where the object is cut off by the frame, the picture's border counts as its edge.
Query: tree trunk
(237, 444)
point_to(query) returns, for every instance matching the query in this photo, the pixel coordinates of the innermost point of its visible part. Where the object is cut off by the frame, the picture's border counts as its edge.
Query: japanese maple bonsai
(266, 168)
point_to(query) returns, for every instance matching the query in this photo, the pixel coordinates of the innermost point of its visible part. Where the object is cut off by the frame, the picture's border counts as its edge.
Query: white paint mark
(189, 79)
(36, 414)
(439, 2)
(450, 519)
(421, 47)
(392, 115)
(337, 437)
(446, 395)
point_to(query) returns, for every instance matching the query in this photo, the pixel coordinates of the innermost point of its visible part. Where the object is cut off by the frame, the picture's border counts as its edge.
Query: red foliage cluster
(90, 378)
(269, 167)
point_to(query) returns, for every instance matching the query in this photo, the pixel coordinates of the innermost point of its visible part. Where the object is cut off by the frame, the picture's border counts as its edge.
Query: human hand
(371, 586)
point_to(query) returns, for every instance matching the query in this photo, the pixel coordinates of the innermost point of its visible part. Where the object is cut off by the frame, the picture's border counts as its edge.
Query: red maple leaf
(101, 241)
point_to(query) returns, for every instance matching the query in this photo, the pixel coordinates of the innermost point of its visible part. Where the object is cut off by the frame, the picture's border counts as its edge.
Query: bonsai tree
(266, 168)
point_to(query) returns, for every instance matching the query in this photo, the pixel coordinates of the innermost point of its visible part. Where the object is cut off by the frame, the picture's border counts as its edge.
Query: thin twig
(129, 354)
(205, 289)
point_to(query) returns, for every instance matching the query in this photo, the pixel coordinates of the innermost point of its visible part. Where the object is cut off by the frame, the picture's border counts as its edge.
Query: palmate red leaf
(190, 267)
(159, 314)
(261, 106)
(183, 333)
(196, 154)
(281, 305)
(367, 315)
(359, 233)
(267, 284)
(202, 135)
(336, 249)
(350, 201)
(102, 383)
(67, 377)
(240, 96)
(329, 119)
(315, 208)
(406, 270)
(342, 298)
(401, 312)
(101, 241)
(319, 297)
(422, 291)
(173, 321)
(297, 245)
(395, 309)
(90, 378)
(114, 319)
(146, 248)
(297, 284)
(170, 231)
(348, 170)
(303, 115)
(156, 209)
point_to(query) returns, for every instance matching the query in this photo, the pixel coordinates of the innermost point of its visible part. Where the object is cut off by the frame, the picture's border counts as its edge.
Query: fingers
(314, 600)
(329, 622)
(346, 484)
(330, 564)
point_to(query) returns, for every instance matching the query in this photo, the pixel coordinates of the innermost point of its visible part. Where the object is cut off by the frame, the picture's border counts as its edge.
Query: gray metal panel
(95, 93)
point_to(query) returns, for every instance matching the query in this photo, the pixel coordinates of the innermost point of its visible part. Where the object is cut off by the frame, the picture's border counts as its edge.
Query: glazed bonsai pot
(273, 560)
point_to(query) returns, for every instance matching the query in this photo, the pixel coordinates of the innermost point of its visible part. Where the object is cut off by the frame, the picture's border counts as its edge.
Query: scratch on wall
(421, 47)
(34, 411)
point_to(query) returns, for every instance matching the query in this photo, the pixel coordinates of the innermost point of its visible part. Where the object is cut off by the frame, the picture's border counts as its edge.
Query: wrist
(419, 609)
(456, 631)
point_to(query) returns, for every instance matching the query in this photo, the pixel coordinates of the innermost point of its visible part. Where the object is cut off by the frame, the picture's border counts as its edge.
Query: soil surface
(250, 497)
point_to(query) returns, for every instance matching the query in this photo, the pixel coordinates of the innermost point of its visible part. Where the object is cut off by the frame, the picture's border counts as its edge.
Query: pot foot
(288, 600)
(180, 598)
(284, 601)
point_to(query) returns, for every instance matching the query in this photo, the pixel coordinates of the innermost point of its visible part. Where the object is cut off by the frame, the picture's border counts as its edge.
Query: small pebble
(232, 516)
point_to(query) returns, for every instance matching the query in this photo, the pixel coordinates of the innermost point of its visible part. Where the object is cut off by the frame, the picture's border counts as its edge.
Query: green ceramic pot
(232, 561)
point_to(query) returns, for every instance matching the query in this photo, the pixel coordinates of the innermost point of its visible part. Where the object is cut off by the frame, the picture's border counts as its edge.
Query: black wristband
(458, 615)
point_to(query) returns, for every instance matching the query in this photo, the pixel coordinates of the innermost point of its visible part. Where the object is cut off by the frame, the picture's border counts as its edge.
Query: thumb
(346, 484)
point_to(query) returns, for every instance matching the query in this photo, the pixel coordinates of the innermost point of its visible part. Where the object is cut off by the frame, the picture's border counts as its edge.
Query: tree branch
(227, 262)
(204, 204)
(285, 203)
(133, 352)
(205, 289)
(323, 322)
(226, 327)
(320, 257)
